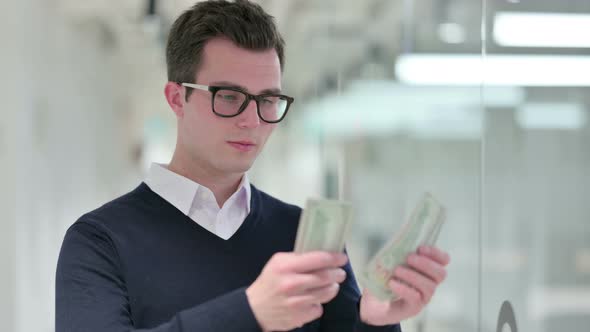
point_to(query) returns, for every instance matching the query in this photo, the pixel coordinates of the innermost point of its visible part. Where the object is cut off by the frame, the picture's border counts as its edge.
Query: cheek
(268, 131)
(200, 127)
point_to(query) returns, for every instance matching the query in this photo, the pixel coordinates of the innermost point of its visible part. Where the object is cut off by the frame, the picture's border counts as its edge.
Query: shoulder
(112, 214)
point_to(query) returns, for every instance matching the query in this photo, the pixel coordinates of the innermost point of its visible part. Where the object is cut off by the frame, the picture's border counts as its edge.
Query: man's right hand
(292, 287)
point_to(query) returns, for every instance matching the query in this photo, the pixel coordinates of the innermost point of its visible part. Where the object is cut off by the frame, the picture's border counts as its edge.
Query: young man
(166, 258)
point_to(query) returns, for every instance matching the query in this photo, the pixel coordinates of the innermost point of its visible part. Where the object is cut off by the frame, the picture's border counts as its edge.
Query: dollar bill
(422, 228)
(323, 225)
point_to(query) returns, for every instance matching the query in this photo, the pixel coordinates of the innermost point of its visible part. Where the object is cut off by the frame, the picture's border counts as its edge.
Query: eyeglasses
(228, 102)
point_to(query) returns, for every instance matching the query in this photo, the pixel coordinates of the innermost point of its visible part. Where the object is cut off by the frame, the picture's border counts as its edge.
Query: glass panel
(536, 243)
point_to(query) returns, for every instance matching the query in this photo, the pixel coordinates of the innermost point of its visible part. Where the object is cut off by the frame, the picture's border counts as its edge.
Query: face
(225, 146)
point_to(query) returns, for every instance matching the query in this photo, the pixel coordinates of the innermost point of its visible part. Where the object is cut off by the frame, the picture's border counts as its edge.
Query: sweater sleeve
(91, 295)
(342, 313)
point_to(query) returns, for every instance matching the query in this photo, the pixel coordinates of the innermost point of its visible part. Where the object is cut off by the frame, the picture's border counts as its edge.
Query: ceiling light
(542, 29)
(451, 33)
(506, 70)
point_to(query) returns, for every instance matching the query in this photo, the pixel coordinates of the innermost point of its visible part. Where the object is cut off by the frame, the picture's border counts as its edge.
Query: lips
(243, 146)
(243, 142)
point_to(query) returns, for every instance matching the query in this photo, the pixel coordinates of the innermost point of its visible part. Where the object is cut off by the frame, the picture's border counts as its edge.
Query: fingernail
(426, 250)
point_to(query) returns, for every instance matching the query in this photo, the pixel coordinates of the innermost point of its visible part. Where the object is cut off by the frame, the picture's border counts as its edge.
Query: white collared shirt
(198, 202)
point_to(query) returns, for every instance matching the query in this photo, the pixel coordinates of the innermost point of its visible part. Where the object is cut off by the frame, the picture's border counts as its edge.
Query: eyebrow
(237, 86)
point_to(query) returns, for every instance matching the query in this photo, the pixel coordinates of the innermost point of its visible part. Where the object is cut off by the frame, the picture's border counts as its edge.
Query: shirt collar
(245, 186)
(180, 191)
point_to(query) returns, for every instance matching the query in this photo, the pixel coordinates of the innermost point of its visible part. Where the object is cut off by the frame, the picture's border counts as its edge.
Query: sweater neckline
(143, 190)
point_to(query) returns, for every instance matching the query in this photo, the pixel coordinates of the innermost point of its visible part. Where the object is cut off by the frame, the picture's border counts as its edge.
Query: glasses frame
(249, 97)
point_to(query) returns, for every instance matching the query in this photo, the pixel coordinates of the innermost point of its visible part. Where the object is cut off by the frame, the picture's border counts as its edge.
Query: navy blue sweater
(139, 264)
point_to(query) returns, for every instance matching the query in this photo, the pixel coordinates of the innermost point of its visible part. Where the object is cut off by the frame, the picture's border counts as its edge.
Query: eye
(229, 96)
(271, 100)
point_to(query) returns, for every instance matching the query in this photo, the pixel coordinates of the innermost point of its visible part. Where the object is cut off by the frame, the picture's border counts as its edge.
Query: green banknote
(323, 226)
(422, 228)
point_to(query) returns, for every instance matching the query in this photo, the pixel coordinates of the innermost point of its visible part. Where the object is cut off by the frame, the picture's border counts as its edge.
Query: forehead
(224, 61)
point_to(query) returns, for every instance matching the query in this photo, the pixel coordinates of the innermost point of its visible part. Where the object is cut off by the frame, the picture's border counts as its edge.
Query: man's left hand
(415, 283)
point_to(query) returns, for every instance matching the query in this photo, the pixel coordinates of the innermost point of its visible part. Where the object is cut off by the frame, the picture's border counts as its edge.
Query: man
(166, 258)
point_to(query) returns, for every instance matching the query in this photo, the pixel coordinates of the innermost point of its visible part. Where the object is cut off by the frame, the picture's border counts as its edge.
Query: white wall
(64, 148)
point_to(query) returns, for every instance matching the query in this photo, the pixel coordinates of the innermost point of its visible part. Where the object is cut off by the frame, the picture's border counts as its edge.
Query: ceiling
(328, 41)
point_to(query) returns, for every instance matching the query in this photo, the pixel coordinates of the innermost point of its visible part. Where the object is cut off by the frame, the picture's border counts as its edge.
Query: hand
(292, 287)
(414, 283)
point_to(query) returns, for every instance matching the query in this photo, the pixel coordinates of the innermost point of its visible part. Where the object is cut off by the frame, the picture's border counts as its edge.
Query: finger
(326, 277)
(406, 292)
(427, 267)
(325, 294)
(313, 261)
(318, 295)
(311, 313)
(422, 284)
(300, 283)
(435, 254)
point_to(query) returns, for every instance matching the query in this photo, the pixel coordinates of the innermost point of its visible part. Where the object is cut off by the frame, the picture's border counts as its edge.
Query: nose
(249, 117)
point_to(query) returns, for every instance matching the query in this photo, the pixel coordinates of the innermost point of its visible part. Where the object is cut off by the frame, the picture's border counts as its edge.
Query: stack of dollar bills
(324, 225)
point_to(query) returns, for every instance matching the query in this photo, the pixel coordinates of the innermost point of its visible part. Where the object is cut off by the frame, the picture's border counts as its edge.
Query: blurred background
(484, 103)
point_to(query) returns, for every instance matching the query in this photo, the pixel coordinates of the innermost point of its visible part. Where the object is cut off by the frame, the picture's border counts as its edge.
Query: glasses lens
(272, 108)
(228, 102)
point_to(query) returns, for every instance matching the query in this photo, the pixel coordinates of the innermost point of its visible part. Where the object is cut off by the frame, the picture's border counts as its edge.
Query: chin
(242, 167)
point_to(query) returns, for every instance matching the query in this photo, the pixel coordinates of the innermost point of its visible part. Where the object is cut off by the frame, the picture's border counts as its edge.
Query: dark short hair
(244, 23)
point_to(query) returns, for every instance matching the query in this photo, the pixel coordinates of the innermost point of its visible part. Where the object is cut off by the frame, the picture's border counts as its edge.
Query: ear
(174, 93)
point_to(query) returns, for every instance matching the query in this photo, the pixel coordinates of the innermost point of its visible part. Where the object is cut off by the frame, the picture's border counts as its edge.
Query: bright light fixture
(503, 70)
(451, 33)
(542, 29)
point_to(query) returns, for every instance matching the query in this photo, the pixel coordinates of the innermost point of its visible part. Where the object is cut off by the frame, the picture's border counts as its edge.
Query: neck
(222, 185)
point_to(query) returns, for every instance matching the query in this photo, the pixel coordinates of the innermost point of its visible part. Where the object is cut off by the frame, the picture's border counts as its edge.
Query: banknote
(422, 228)
(323, 225)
